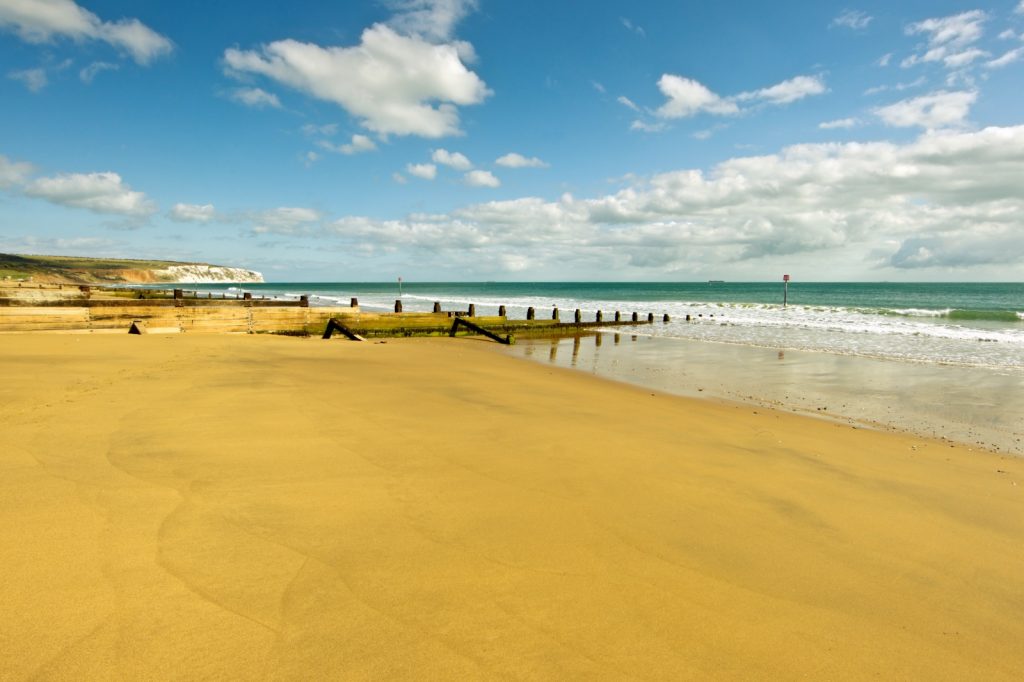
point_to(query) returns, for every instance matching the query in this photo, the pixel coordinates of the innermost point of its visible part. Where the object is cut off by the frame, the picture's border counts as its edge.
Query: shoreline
(976, 407)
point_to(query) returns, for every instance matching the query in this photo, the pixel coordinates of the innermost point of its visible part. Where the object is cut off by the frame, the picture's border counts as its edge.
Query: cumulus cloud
(33, 79)
(940, 109)
(286, 220)
(944, 200)
(424, 171)
(451, 159)
(97, 192)
(687, 97)
(948, 39)
(257, 98)
(433, 20)
(390, 81)
(841, 123)
(13, 173)
(852, 19)
(40, 21)
(481, 178)
(514, 160)
(192, 213)
(358, 145)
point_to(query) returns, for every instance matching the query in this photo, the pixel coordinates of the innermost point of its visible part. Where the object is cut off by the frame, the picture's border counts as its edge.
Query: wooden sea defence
(74, 309)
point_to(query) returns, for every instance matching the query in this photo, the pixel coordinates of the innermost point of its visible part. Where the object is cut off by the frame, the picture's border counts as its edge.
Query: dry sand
(254, 507)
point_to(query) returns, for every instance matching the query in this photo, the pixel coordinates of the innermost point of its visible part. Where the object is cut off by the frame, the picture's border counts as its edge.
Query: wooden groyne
(71, 309)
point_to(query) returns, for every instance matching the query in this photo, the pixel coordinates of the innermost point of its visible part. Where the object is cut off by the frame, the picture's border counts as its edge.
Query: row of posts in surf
(531, 313)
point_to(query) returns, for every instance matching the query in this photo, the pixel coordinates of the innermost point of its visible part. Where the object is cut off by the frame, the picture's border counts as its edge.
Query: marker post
(785, 290)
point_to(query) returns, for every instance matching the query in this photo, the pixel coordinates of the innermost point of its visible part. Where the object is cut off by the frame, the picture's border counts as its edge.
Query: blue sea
(964, 324)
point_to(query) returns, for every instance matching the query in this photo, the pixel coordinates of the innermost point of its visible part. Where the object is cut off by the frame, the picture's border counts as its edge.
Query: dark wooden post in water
(554, 314)
(666, 318)
(247, 296)
(437, 306)
(650, 318)
(501, 311)
(472, 310)
(178, 293)
(599, 317)
(618, 316)
(530, 314)
(578, 317)
(636, 318)
(398, 305)
(304, 301)
(354, 303)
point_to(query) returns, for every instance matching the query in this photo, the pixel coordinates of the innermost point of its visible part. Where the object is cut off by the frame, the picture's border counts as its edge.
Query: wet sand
(977, 406)
(253, 507)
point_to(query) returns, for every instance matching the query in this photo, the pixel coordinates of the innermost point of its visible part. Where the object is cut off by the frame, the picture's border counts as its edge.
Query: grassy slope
(74, 269)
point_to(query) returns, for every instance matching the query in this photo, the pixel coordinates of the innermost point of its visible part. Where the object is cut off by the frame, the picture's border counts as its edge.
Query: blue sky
(501, 140)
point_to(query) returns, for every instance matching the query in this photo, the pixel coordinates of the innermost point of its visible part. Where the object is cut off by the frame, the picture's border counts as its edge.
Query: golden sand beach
(256, 507)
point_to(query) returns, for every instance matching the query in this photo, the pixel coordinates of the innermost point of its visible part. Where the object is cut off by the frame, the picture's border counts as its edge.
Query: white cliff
(206, 274)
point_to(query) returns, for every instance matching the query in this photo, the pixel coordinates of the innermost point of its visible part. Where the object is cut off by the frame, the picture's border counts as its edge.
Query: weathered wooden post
(578, 317)
(636, 318)
(618, 316)
(472, 310)
(530, 313)
(178, 293)
(501, 311)
(687, 318)
(209, 295)
(437, 306)
(650, 318)
(304, 301)
(354, 303)
(599, 317)
(666, 318)
(554, 314)
(247, 296)
(398, 305)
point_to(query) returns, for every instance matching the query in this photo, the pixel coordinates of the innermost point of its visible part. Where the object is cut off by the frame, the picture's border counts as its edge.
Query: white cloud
(842, 123)
(1007, 58)
(687, 97)
(358, 145)
(390, 81)
(481, 178)
(40, 21)
(433, 20)
(948, 38)
(257, 98)
(1008, 34)
(399, 178)
(853, 19)
(961, 59)
(96, 68)
(192, 213)
(286, 220)
(940, 109)
(645, 127)
(97, 192)
(884, 59)
(514, 160)
(424, 171)
(1020, 8)
(598, 86)
(787, 91)
(33, 79)
(325, 129)
(896, 87)
(945, 200)
(13, 172)
(627, 102)
(451, 159)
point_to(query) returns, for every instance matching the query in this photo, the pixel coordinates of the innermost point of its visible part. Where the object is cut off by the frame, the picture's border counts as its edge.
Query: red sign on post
(785, 278)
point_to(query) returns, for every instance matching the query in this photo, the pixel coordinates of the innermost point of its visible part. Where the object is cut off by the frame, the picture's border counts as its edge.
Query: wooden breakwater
(54, 308)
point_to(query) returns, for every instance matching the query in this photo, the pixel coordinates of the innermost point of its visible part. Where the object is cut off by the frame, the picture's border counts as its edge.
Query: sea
(940, 359)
